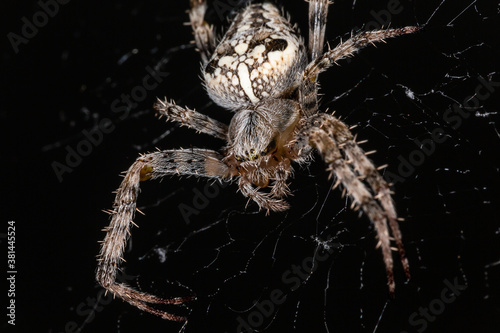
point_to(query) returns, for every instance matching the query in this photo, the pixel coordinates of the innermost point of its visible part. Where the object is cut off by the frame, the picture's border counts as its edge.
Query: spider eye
(270, 147)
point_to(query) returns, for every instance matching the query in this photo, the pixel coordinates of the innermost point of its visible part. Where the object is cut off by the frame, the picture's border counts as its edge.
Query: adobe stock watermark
(383, 17)
(30, 28)
(94, 137)
(293, 278)
(201, 199)
(420, 319)
(453, 116)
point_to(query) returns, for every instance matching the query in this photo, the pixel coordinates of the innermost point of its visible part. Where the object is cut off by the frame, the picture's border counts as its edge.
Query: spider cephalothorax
(256, 133)
(261, 71)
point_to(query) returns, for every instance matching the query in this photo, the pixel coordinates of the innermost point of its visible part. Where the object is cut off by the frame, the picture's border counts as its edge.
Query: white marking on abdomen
(245, 82)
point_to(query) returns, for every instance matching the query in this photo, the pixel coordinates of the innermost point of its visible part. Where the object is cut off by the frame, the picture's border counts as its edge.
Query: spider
(262, 71)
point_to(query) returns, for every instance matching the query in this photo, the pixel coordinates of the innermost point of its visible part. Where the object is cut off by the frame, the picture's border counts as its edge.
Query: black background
(64, 81)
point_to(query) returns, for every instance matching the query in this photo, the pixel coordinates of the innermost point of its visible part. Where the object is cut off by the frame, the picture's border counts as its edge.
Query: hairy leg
(203, 32)
(308, 93)
(365, 169)
(264, 200)
(330, 136)
(351, 46)
(196, 162)
(191, 119)
(280, 187)
(318, 11)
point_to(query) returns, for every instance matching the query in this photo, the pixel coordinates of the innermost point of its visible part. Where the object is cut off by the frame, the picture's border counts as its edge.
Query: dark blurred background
(60, 80)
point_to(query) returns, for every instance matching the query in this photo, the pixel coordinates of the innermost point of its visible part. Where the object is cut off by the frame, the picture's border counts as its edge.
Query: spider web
(315, 268)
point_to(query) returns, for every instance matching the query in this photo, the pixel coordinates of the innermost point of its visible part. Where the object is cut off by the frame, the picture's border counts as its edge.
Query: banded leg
(264, 200)
(308, 94)
(330, 136)
(308, 97)
(351, 46)
(280, 187)
(191, 119)
(203, 32)
(196, 162)
(318, 12)
(364, 167)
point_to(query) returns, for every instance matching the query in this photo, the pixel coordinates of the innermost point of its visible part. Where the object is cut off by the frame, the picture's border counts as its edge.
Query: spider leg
(203, 32)
(264, 200)
(195, 162)
(280, 187)
(191, 119)
(318, 11)
(330, 136)
(308, 93)
(351, 46)
(365, 168)
(308, 97)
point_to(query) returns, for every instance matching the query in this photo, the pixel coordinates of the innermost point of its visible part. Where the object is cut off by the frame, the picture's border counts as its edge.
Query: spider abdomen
(260, 57)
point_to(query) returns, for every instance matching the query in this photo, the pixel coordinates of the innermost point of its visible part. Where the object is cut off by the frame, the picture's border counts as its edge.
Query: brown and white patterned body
(261, 56)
